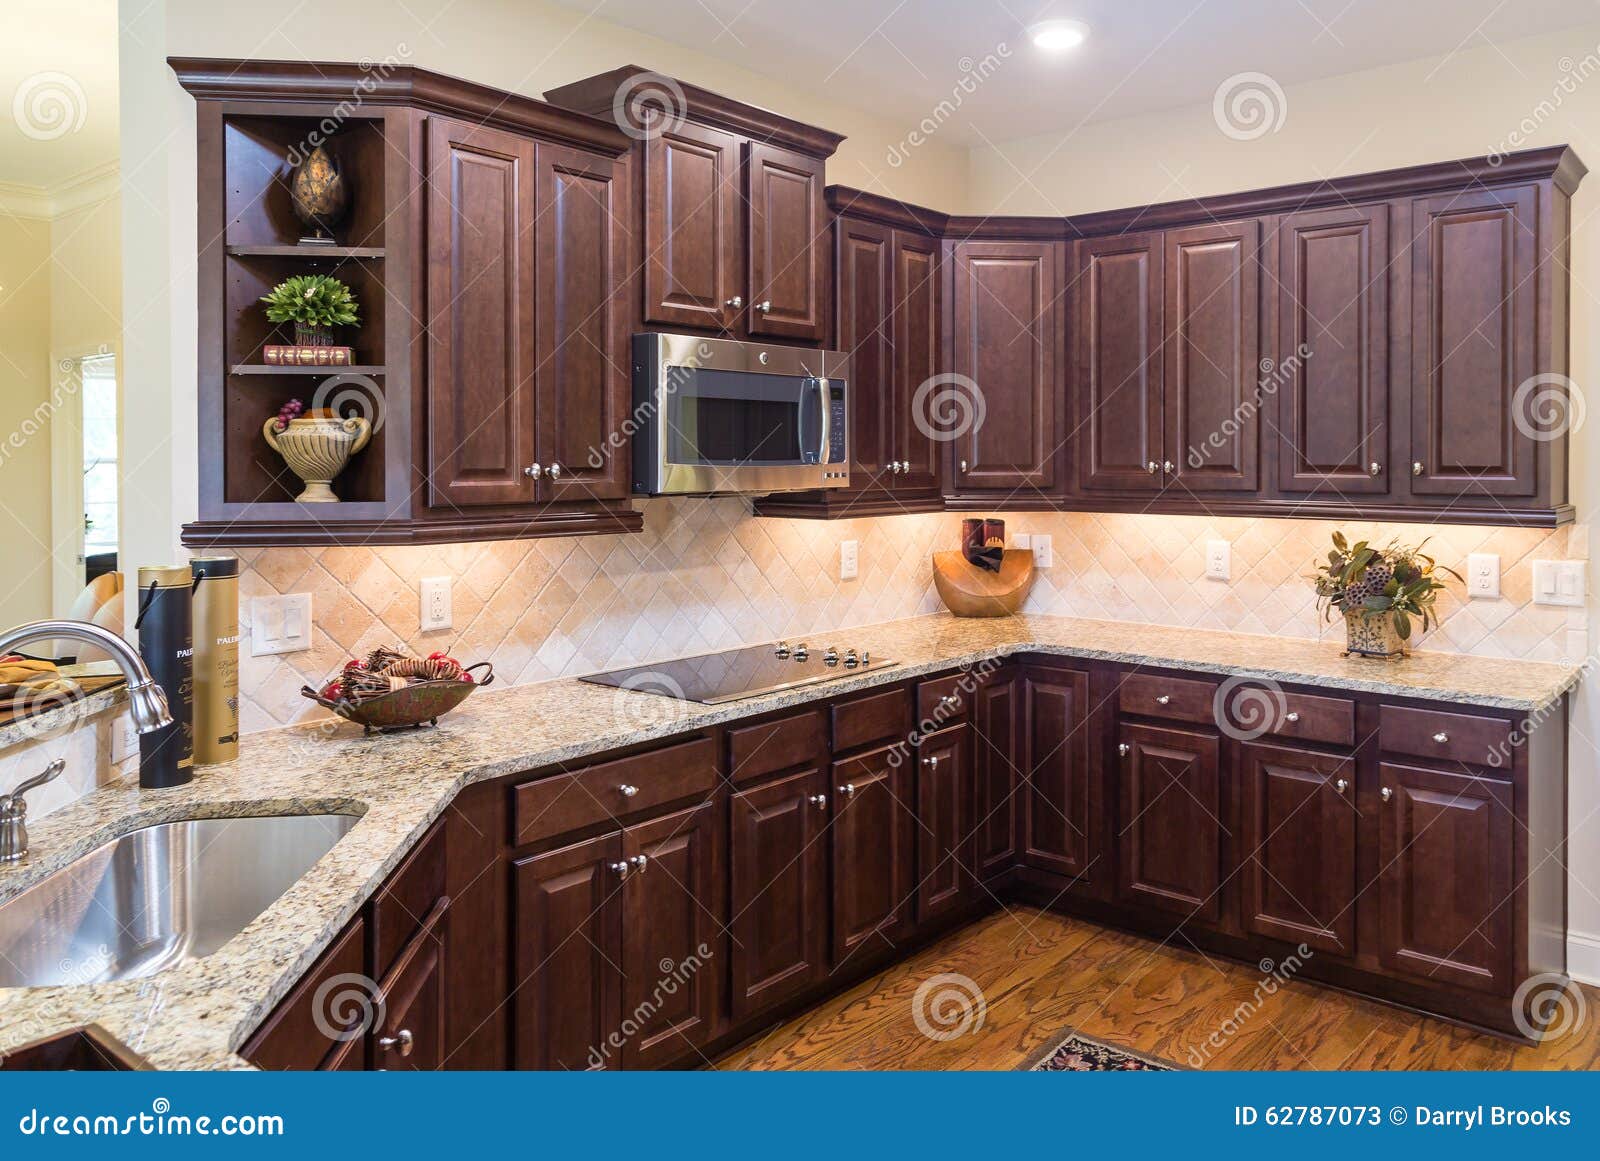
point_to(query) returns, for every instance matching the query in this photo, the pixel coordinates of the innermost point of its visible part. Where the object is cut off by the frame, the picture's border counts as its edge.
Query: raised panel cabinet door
(672, 944)
(1211, 385)
(863, 289)
(480, 401)
(1332, 371)
(788, 243)
(410, 1034)
(874, 855)
(995, 802)
(1299, 846)
(566, 950)
(1446, 890)
(1004, 429)
(1117, 327)
(584, 385)
(944, 811)
(1057, 814)
(1474, 308)
(1170, 827)
(918, 300)
(779, 897)
(692, 228)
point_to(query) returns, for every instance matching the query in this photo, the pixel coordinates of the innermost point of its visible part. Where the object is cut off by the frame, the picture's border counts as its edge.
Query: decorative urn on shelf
(320, 195)
(316, 446)
(1381, 592)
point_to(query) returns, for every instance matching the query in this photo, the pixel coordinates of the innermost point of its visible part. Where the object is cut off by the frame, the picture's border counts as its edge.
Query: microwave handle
(825, 434)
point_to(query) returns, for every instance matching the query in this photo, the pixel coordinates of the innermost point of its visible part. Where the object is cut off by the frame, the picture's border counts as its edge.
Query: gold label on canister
(216, 660)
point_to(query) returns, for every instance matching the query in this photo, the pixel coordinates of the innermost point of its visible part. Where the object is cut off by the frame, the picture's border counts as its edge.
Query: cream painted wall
(1534, 92)
(24, 418)
(86, 279)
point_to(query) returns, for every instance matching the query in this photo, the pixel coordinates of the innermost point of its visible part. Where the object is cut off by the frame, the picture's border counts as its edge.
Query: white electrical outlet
(1560, 582)
(280, 624)
(435, 603)
(1043, 550)
(1483, 574)
(1219, 559)
(849, 559)
(1021, 540)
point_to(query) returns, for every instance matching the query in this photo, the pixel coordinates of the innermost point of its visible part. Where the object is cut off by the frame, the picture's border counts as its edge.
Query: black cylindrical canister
(216, 659)
(166, 642)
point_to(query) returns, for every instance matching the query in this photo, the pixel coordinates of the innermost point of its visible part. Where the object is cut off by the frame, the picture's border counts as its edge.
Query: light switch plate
(436, 610)
(849, 559)
(1560, 582)
(1483, 574)
(1219, 559)
(1044, 553)
(280, 624)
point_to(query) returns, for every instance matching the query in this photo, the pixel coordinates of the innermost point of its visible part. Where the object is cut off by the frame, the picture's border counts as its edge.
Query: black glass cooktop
(741, 673)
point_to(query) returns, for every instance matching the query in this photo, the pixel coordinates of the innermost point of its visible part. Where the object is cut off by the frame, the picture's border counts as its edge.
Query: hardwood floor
(1041, 974)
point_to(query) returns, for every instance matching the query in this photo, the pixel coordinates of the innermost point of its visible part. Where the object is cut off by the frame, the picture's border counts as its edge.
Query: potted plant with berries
(1382, 593)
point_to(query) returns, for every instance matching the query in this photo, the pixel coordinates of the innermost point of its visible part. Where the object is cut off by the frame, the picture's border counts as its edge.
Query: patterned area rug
(1080, 1053)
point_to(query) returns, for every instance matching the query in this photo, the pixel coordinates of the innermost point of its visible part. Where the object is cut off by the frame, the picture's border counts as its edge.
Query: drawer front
(1177, 698)
(568, 802)
(942, 701)
(1438, 734)
(755, 751)
(293, 1037)
(404, 902)
(864, 721)
(1254, 710)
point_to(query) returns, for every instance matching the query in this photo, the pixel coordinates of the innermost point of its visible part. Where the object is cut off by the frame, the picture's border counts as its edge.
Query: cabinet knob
(1416, 467)
(1374, 468)
(553, 471)
(1291, 716)
(533, 471)
(640, 862)
(1164, 699)
(820, 801)
(1386, 793)
(1341, 786)
(848, 790)
(402, 1042)
(1124, 749)
(736, 302)
(764, 305)
(1441, 737)
(949, 701)
(963, 465)
(931, 761)
(627, 790)
(620, 869)
(1166, 466)
(1151, 467)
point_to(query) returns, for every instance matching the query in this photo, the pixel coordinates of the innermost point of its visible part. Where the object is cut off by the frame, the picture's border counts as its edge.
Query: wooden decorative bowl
(421, 704)
(969, 591)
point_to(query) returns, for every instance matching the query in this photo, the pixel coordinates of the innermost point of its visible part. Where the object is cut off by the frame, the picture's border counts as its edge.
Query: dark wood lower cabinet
(1298, 870)
(874, 855)
(411, 1033)
(994, 744)
(944, 817)
(1447, 854)
(1171, 821)
(1057, 813)
(778, 928)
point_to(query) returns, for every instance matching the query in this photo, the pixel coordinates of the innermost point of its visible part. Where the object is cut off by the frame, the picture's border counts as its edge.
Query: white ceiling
(58, 89)
(902, 57)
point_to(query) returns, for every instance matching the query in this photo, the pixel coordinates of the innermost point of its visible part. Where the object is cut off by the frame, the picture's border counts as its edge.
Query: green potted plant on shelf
(1382, 592)
(314, 304)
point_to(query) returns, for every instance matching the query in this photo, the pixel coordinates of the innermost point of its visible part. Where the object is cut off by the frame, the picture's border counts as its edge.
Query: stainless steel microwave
(714, 415)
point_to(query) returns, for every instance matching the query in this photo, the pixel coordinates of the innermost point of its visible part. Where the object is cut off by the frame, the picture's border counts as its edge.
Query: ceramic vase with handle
(316, 448)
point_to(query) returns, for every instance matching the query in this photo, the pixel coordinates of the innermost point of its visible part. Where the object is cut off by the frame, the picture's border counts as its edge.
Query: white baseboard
(1583, 957)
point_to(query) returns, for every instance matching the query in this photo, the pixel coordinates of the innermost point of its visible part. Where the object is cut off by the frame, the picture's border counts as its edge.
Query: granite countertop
(196, 1015)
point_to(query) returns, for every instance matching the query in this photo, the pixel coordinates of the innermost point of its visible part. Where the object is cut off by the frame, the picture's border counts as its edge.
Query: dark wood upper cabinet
(788, 243)
(481, 339)
(1213, 355)
(779, 935)
(918, 355)
(584, 386)
(1170, 820)
(864, 299)
(1446, 888)
(1058, 814)
(1298, 859)
(1117, 335)
(1474, 342)
(1005, 431)
(944, 821)
(874, 852)
(566, 948)
(1332, 364)
(692, 225)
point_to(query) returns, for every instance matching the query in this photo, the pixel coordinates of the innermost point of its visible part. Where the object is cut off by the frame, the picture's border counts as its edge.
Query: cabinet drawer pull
(1387, 794)
(620, 869)
(820, 801)
(1441, 737)
(963, 465)
(627, 790)
(848, 790)
(931, 761)
(1341, 786)
(1291, 716)
(402, 1041)
(1374, 468)
(949, 701)
(640, 862)
(1164, 699)
(1124, 749)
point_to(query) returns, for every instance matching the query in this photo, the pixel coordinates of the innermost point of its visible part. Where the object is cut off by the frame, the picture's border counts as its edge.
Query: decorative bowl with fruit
(392, 690)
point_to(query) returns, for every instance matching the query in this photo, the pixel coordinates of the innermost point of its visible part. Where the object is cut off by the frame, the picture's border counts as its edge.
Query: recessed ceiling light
(1058, 35)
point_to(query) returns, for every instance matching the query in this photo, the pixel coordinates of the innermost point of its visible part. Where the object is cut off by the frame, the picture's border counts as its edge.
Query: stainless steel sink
(157, 897)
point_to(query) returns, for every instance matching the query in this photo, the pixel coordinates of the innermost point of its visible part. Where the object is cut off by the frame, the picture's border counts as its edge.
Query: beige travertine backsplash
(705, 575)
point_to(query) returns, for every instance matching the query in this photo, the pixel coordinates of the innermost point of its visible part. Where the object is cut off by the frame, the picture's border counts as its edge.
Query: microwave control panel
(836, 423)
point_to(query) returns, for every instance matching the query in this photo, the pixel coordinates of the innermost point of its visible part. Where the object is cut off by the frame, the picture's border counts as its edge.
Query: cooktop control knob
(850, 659)
(865, 656)
(801, 652)
(782, 651)
(830, 657)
